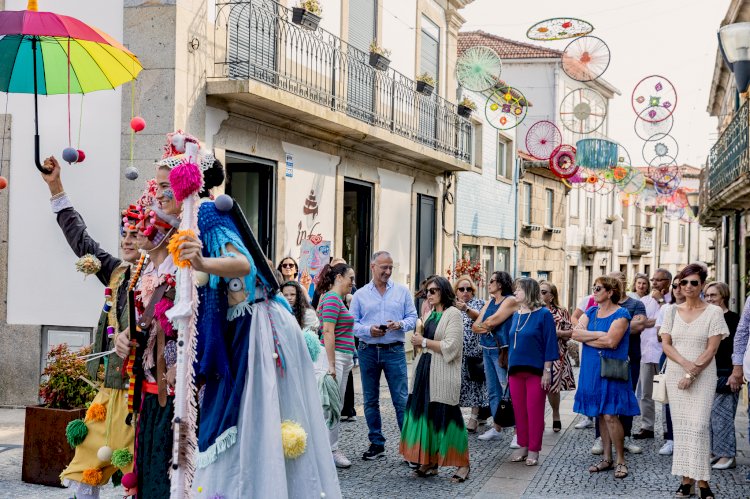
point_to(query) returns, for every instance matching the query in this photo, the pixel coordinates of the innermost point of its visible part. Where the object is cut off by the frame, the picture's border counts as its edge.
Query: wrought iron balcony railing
(729, 158)
(642, 241)
(256, 39)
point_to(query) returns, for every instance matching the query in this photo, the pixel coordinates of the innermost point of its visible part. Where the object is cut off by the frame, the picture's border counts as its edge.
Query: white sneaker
(514, 443)
(341, 460)
(598, 447)
(491, 434)
(630, 446)
(667, 448)
(584, 423)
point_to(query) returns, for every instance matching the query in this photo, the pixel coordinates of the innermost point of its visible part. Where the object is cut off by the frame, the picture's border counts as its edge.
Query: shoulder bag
(659, 390)
(504, 415)
(614, 369)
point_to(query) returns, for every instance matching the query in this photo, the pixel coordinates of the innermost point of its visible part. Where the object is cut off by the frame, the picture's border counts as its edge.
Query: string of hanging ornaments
(559, 28)
(654, 98)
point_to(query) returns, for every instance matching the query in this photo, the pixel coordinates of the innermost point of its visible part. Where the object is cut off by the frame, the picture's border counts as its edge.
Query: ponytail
(327, 276)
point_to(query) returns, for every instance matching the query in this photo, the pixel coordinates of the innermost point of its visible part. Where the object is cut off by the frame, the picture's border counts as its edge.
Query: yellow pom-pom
(92, 476)
(200, 489)
(96, 412)
(293, 439)
(174, 247)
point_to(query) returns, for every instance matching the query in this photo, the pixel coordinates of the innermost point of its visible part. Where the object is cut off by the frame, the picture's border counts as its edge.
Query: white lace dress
(691, 408)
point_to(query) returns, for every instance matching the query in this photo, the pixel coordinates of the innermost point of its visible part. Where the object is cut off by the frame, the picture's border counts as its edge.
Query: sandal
(621, 471)
(532, 461)
(556, 426)
(471, 426)
(603, 465)
(427, 470)
(456, 478)
(685, 490)
(518, 456)
(705, 493)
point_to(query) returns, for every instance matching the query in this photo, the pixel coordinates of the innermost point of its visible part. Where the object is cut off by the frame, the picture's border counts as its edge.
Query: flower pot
(46, 452)
(424, 88)
(379, 61)
(305, 18)
(464, 111)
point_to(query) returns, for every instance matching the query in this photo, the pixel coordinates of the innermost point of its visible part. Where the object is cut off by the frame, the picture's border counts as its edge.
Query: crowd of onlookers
(668, 339)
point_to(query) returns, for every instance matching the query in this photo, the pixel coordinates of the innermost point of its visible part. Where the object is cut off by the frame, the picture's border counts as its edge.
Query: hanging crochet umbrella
(586, 58)
(478, 68)
(46, 53)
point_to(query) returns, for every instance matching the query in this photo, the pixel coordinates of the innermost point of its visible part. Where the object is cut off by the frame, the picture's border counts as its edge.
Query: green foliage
(374, 47)
(64, 385)
(426, 78)
(466, 102)
(312, 6)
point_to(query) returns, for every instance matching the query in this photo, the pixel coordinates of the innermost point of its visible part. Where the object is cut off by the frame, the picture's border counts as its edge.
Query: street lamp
(734, 43)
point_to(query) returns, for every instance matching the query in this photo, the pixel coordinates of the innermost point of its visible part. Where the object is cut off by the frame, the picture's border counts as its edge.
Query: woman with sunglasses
(605, 333)
(334, 284)
(473, 386)
(563, 378)
(433, 433)
(723, 440)
(691, 335)
(289, 269)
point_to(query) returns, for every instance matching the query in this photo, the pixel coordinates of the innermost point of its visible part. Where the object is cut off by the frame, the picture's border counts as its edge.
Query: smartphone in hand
(383, 327)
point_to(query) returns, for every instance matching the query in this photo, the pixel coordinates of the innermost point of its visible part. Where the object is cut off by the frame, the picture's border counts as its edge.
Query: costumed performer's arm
(73, 226)
(234, 264)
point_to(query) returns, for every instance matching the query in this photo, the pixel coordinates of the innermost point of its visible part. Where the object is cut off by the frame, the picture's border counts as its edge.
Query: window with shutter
(252, 41)
(360, 75)
(429, 62)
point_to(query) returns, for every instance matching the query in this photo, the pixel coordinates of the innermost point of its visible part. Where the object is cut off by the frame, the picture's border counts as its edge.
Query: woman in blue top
(492, 329)
(604, 331)
(532, 349)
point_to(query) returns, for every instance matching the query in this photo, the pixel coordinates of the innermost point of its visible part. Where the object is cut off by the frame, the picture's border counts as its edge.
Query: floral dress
(562, 370)
(473, 393)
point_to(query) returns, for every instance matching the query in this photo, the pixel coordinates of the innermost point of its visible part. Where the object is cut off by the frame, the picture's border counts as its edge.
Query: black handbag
(475, 366)
(504, 416)
(615, 369)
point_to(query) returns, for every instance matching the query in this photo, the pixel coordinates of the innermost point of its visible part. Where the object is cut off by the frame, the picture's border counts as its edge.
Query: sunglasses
(596, 289)
(675, 286)
(287, 265)
(685, 282)
(464, 290)
(432, 291)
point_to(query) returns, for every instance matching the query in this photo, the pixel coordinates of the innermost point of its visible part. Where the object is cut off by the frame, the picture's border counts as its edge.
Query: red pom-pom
(160, 311)
(186, 179)
(138, 124)
(129, 480)
(3, 183)
(81, 156)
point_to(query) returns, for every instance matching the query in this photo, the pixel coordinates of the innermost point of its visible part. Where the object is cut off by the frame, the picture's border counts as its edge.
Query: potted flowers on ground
(65, 392)
(425, 84)
(308, 14)
(466, 107)
(379, 57)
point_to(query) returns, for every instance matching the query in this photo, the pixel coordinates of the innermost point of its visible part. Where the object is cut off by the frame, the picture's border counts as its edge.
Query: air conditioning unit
(553, 230)
(531, 227)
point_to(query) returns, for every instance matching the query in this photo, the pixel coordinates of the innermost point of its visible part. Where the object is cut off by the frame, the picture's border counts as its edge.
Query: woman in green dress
(433, 432)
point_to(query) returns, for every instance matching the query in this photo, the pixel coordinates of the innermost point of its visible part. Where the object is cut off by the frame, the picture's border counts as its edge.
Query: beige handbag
(659, 390)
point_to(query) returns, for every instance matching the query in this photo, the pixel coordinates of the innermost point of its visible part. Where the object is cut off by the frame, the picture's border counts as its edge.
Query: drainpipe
(516, 173)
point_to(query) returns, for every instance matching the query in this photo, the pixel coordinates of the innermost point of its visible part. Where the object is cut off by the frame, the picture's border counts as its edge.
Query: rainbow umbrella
(47, 53)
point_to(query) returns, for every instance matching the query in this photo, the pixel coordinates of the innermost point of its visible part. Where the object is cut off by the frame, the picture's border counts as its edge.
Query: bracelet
(57, 196)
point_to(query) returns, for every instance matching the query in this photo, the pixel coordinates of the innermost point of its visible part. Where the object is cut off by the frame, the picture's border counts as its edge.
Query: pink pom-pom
(160, 313)
(186, 179)
(129, 480)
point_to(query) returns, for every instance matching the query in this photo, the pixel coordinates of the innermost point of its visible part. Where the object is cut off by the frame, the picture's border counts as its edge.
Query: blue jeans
(373, 361)
(496, 376)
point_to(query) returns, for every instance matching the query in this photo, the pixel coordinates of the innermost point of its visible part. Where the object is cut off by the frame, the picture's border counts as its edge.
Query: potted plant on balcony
(307, 14)
(466, 107)
(425, 84)
(379, 57)
(65, 392)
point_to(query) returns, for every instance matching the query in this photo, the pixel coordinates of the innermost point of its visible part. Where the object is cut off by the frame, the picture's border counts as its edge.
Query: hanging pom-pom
(81, 155)
(186, 179)
(224, 202)
(3, 183)
(104, 454)
(75, 432)
(88, 264)
(313, 344)
(96, 412)
(92, 476)
(138, 124)
(178, 142)
(201, 278)
(131, 173)
(293, 439)
(70, 155)
(122, 458)
(160, 311)
(174, 247)
(130, 484)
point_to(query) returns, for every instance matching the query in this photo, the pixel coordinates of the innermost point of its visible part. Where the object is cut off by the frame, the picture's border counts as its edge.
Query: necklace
(519, 329)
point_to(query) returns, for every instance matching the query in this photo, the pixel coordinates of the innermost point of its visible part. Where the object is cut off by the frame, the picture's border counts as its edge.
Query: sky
(672, 38)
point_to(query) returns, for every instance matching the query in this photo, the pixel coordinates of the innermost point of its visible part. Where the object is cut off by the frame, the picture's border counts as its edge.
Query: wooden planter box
(379, 61)
(464, 111)
(305, 18)
(46, 452)
(424, 88)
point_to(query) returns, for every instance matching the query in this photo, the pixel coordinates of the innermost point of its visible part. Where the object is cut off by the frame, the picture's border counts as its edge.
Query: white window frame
(681, 236)
(504, 158)
(550, 202)
(527, 202)
(665, 234)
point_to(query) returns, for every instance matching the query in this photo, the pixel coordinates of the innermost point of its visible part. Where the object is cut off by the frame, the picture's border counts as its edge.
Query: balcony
(643, 240)
(315, 83)
(726, 187)
(592, 241)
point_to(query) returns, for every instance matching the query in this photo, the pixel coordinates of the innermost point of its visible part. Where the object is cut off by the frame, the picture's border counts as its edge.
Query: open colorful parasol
(47, 53)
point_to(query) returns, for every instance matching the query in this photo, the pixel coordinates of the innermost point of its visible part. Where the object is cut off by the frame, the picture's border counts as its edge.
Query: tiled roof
(505, 48)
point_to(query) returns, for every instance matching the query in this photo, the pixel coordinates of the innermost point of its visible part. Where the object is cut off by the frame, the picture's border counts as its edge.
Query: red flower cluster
(467, 267)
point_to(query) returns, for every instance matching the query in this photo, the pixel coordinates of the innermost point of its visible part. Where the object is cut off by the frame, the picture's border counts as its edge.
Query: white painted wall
(43, 286)
(395, 232)
(537, 83)
(331, 15)
(399, 34)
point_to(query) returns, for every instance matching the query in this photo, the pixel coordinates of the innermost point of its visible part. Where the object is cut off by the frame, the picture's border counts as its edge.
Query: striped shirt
(333, 311)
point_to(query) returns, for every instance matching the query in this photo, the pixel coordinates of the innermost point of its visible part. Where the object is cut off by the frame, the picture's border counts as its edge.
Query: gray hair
(378, 254)
(665, 271)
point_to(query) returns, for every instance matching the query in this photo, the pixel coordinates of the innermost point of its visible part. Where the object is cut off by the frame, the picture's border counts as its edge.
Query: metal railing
(729, 158)
(643, 238)
(256, 39)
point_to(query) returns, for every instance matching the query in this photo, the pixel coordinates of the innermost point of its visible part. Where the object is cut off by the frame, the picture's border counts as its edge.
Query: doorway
(358, 228)
(426, 237)
(572, 288)
(252, 183)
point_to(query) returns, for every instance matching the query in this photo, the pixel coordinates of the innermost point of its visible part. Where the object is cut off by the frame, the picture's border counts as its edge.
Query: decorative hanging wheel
(592, 181)
(633, 183)
(583, 110)
(542, 138)
(660, 148)
(562, 161)
(505, 108)
(478, 69)
(666, 177)
(651, 94)
(559, 28)
(653, 130)
(586, 58)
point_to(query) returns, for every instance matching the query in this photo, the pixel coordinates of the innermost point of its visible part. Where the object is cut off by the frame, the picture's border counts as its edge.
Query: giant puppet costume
(262, 431)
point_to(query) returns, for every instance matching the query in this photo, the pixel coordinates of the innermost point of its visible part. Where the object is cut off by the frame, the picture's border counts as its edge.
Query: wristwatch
(689, 376)
(424, 342)
(548, 369)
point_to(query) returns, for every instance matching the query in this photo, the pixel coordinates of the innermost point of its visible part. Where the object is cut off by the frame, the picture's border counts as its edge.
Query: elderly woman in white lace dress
(691, 334)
